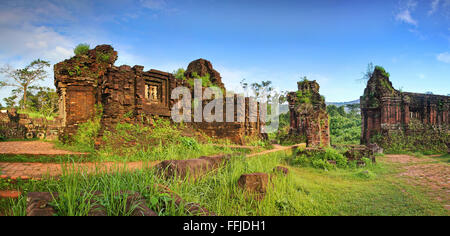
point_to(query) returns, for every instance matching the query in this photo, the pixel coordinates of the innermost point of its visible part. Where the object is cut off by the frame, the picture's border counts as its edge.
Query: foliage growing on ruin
(87, 132)
(159, 140)
(206, 80)
(384, 82)
(81, 49)
(179, 74)
(304, 97)
(383, 71)
(421, 138)
(103, 57)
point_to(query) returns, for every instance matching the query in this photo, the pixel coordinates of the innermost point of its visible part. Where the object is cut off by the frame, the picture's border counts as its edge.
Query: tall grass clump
(79, 191)
(319, 159)
(160, 141)
(87, 132)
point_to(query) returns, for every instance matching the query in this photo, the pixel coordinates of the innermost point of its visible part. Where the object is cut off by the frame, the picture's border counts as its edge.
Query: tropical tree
(369, 71)
(46, 101)
(24, 79)
(11, 102)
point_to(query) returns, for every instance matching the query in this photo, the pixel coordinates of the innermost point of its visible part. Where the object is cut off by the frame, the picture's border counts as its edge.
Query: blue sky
(330, 41)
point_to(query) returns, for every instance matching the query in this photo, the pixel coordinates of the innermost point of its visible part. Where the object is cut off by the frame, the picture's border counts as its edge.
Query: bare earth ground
(425, 172)
(32, 148)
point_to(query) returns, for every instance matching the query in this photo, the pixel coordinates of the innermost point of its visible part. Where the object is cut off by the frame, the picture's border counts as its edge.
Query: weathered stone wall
(308, 114)
(388, 111)
(20, 126)
(128, 93)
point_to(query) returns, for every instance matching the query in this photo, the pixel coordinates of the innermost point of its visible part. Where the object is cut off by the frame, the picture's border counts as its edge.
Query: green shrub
(304, 97)
(87, 132)
(103, 57)
(190, 143)
(81, 49)
(383, 71)
(319, 159)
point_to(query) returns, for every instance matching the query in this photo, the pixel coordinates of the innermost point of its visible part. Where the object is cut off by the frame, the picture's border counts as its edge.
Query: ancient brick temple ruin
(386, 111)
(308, 114)
(87, 82)
(18, 126)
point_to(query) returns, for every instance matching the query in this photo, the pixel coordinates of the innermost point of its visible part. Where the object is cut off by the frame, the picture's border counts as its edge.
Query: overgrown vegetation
(383, 71)
(345, 126)
(85, 137)
(81, 49)
(148, 140)
(421, 138)
(163, 140)
(304, 191)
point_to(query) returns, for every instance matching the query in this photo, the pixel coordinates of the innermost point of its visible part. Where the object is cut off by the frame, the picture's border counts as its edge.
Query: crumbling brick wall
(85, 82)
(308, 114)
(21, 126)
(386, 111)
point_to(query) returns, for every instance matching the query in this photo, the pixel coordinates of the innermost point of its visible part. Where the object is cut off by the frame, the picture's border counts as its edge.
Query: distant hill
(338, 104)
(284, 108)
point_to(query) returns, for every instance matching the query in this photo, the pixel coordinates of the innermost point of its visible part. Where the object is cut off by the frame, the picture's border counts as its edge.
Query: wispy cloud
(405, 11)
(443, 57)
(154, 4)
(434, 7)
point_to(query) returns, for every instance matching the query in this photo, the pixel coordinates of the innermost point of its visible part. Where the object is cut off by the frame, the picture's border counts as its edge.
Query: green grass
(372, 190)
(159, 153)
(141, 142)
(18, 139)
(445, 158)
(46, 159)
(35, 114)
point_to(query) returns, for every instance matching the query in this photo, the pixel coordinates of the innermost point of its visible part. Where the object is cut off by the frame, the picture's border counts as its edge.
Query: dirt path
(276, 148)
(425, 172)
(27, 170)
(33, 148)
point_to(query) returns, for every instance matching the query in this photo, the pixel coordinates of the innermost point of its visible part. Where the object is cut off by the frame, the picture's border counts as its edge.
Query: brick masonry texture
(308, 114)
(19, 126)
(385, 110)
(86, 82)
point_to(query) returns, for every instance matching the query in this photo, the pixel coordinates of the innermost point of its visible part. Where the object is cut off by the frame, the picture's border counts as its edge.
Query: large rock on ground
(37, 204)
(190, 208)
(193, 168)
(281, 169)
(375, 148)
(140, 208)
(254, 183)
(357, 153)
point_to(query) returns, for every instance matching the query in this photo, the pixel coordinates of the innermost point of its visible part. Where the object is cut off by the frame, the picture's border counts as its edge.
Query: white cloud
(154, 4)
(434, 7)
(404, 15)
(30, 42)
(444, 57)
